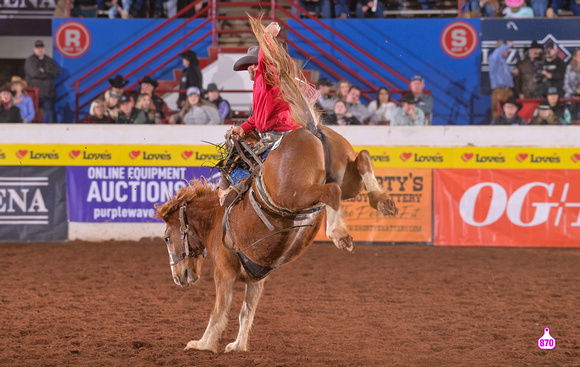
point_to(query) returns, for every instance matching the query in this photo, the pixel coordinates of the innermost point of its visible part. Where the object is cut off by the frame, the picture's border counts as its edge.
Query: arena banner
(123, 194)
(411, 189)
(481, 207)
(33, 204)
(108, 155)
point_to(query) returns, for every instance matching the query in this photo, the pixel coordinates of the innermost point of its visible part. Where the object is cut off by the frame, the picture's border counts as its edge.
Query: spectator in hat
(560, 110)
(97, 114)
(196, 110)
(382, 107)
(22, 99)
(129, 114)
(544, 115)
(553, 70)
(423, 101)
(40, 73)
(148, 86)
(408, 114)
(223, 106)
(112, 104)
(326, 101)
(355, 107)
(500, 76)
(525, 72)
(118, 84)
(516, 9)
(510, 108)
(9, 112)
(191, 76)
(571, 5)
(572, 83)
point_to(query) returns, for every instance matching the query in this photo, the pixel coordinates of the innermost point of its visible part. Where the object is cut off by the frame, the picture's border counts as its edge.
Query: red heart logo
(21, 153)
(521, 157)
(74, 153)
(467, 156)
(575, 157)
(134, 154)
(405, 156)
(186, 154)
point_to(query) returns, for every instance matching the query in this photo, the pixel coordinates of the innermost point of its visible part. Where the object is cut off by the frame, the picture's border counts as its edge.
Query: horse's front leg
(379, 198)
(219, 317)
(253, 293)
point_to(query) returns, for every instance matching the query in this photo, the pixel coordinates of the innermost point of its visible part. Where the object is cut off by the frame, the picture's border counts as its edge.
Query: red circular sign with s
(459, 39)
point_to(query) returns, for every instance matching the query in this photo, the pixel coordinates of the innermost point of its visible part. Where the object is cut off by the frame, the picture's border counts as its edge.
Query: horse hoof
(194, 344)
(388, 207)
(346, 243)
(234, 347)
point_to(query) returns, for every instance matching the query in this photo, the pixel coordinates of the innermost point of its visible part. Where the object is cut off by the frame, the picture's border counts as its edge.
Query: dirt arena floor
(115, 304)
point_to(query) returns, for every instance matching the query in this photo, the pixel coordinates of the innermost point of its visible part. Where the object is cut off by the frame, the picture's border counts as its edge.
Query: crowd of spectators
(542, 74)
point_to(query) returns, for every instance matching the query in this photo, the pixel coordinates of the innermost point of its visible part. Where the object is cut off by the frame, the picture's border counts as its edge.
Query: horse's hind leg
(253, 293)
(219, 316)
(337, 230)
(379, 198)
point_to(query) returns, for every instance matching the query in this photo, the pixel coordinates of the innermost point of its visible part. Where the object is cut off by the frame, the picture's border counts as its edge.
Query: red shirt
(271, 112)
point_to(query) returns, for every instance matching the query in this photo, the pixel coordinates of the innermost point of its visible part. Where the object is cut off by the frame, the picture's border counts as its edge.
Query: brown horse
(273, 225)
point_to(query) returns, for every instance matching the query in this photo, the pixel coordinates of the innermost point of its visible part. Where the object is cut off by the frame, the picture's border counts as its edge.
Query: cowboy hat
(6, 88)
(512, 100)
(212, 87)
(189, 55)
(17, 79)
(147, 79)
(408, 98)
(118, 82)
(251, 58)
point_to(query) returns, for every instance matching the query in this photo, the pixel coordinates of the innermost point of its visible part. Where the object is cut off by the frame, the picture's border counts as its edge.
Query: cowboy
(118, 84)
(272, 113)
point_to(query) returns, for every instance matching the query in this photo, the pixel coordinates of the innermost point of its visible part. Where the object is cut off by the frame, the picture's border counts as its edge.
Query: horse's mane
(283, 72)
(195, 189)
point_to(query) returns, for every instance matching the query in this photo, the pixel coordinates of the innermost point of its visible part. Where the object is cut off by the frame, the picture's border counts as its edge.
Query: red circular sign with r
(459, 39)
(72, 39)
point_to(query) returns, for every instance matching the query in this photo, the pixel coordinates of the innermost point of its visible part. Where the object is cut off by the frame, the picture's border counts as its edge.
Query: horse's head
(182, 237)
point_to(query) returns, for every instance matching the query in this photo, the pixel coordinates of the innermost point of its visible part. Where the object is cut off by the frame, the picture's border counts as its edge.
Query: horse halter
(185, 249)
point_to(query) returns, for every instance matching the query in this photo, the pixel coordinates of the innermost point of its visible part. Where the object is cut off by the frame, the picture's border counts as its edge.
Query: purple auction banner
(123, 194)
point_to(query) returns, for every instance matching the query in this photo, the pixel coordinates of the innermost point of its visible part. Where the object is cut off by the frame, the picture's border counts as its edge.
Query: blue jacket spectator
(21, 99)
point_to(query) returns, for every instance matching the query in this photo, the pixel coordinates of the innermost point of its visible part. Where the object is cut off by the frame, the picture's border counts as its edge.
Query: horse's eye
(168, 241)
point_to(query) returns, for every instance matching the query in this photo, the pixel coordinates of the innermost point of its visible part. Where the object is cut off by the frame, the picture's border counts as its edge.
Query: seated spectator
(382, 108)
(116, 10)
(340, 116)
(515, 9)
(145, 104)
(560, 110)
(571, 5)
(196, 110)
(354, 106)
(371, 9)
(572, 83)
(139, 8)
(509, 116)
(325, 101)
(490, 8)
(118, 84)
(342, 9)
(408, 114)
(343, 88)
(223, 106)
(539, 7)
(128, 114)
(544, 115)
(147, 86)
(112, 104)
(423, 101)
(97, 114)
(9, 112)
(322, 8)
(84, 9)
(21, 99)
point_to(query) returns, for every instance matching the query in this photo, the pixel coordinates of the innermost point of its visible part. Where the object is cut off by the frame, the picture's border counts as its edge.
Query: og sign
(72, 39)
